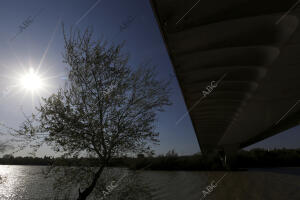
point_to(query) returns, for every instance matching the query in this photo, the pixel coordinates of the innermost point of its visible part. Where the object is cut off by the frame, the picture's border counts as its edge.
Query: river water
(25, 182)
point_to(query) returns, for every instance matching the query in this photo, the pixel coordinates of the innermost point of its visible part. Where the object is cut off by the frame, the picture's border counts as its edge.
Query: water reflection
(22, 182)
(241, 185)
(11, 180)
(26, 182)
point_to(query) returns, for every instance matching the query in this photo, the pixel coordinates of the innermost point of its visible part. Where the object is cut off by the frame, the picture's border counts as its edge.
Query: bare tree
(106, 108)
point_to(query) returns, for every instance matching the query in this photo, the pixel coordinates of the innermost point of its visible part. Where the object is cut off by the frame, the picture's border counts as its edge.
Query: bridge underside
(247, 52)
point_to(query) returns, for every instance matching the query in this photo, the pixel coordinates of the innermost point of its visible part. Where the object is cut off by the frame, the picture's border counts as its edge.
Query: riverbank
(256, 158)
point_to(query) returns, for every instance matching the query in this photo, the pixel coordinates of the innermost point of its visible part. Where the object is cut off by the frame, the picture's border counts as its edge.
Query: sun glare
(31, 81)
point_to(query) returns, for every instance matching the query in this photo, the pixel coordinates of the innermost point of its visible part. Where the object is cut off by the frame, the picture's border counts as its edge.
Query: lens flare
(31, 81)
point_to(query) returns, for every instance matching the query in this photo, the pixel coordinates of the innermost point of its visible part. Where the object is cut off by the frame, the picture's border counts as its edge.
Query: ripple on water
(27, 182)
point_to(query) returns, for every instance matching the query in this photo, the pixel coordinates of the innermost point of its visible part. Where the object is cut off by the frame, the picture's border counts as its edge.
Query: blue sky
(143, 42)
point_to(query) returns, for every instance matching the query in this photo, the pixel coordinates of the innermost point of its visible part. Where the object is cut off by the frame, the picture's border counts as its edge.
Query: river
(26, 182)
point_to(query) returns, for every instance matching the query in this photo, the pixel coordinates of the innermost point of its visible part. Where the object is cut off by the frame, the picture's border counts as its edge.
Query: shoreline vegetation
(255, 158)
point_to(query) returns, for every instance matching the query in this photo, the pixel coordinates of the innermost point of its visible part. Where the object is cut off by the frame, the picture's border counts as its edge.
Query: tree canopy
(106, 108)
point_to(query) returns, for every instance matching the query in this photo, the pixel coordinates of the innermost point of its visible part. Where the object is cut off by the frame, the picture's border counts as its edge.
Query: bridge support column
(230, 159)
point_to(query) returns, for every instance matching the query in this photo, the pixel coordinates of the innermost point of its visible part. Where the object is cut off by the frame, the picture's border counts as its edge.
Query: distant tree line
(255, 158)
(11, 160)
(171, 160)
(58, 161)
(273, 158)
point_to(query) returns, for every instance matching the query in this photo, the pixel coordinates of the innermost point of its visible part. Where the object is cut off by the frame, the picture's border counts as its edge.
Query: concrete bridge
(238, 66)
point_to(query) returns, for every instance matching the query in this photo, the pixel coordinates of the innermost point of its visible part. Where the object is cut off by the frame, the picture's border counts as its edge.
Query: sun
(31, 81)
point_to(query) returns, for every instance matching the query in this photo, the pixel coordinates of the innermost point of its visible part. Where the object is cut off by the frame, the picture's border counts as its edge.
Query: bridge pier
(230, 156)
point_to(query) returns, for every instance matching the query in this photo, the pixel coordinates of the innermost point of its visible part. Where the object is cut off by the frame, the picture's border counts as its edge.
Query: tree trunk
(83, 195)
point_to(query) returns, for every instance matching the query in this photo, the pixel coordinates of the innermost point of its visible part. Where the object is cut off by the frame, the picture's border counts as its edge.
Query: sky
(39, 45)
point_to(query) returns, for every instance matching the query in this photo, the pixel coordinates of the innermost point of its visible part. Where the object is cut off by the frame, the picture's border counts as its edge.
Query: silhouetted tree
(171, 154)
(105, 109)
